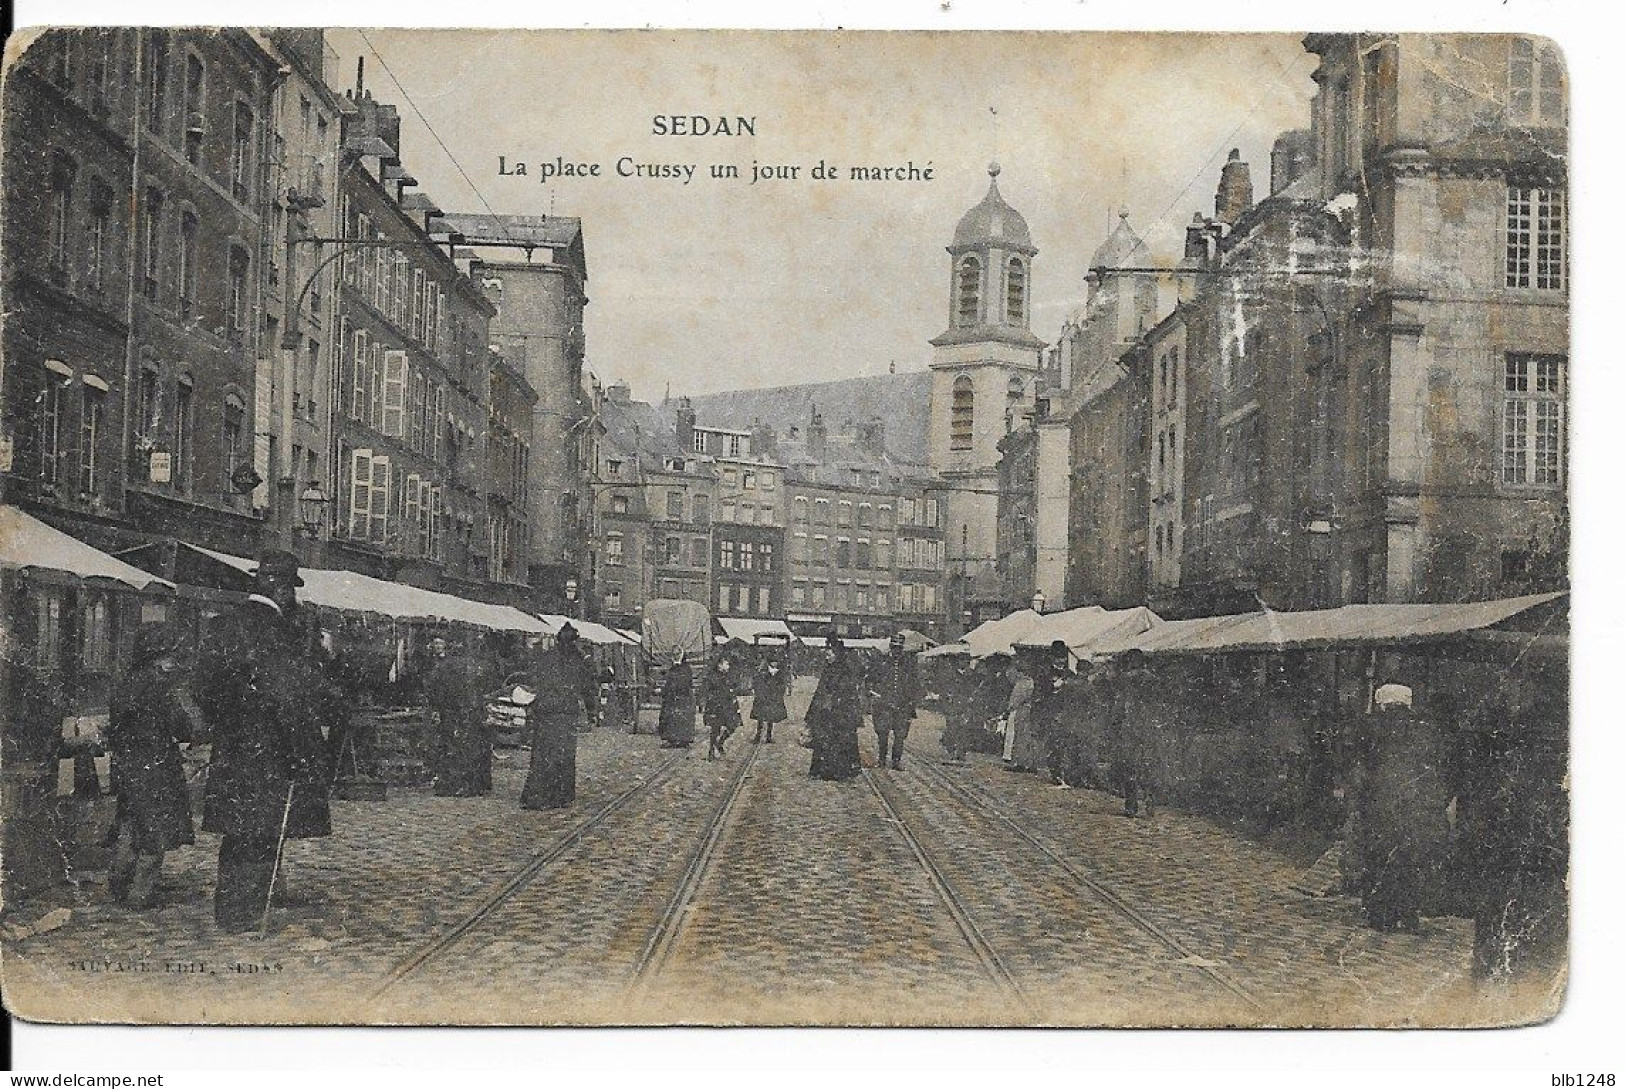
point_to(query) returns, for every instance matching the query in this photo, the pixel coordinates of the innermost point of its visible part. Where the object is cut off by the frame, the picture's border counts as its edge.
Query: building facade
(414, 382)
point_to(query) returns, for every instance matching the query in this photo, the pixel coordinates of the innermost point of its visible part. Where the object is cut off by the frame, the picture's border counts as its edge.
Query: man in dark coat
(767, 696)
(1400, 809)
(266, 698)
(1055, 696)
(1126, 745)
(677, 705)
(719, 705)
(146, 726)
(457, 688)
(566, 699)
(895, 689)
(835, 715)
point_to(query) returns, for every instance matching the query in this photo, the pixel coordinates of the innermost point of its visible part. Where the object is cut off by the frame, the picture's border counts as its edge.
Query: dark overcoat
(456, 687)
(834, 717)
(266, 696)
(717, 701)
(677, 705)
(894, 685)
(145, 725)
(767, 703)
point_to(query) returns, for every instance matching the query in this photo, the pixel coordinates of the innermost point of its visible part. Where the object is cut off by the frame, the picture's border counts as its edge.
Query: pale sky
(722, 284)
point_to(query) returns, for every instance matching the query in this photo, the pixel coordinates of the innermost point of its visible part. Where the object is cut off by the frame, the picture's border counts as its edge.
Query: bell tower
(983, 365)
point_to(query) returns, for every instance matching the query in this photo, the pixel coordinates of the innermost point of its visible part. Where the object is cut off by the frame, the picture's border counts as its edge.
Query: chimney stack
(817, 437)
(1235, 194)
(685, 424)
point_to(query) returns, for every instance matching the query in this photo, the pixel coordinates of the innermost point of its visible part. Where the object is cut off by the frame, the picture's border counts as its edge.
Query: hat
(277, 561)
(1059, 647)
(1393, 695)
(568, 633)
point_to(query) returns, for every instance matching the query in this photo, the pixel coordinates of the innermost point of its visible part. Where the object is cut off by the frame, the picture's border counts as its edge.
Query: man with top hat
(566, 699)
(895, 689)
(266, 697)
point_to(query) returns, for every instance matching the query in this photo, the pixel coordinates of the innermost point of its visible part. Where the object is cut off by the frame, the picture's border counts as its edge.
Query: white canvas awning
(746, 629)
(28, 543)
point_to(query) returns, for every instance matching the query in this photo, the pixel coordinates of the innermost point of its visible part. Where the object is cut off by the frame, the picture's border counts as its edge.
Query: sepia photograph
(784, 528)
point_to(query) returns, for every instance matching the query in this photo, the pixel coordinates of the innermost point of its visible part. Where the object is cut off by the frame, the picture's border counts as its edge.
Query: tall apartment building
(414, 383)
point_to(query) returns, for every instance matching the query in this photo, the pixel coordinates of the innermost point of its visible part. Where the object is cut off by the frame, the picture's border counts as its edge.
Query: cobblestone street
(682, 889)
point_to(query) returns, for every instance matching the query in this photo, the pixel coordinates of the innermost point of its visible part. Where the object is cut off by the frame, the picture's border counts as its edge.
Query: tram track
(521, 879)
(991, 963)
(978, 801)
(657, 950)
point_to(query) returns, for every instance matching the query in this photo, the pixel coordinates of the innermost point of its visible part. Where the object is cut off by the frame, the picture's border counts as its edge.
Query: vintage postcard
(763, 528)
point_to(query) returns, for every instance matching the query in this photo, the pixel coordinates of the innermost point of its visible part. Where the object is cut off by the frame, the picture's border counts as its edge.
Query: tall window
(963, 417)
(242, 152)
(1015, 291)
(188, 263)
(184, 424)
(1532, 420)
(97, 234)
(92, 412)
(96, 79)
(968, 292)
(152, 242)
(1535, 83)
(1535, 236)
(231, 436)
(674, 506)
(157, 79)
(146, 402)
(61, 211)
(50, 429)
(193, 94)
(1015, 394)
(237, 315)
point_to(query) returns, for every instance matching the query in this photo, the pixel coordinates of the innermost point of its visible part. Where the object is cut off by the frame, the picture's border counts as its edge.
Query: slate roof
(902, 401)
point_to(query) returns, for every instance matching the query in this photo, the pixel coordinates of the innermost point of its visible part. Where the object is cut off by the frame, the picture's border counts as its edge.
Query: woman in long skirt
(677, 705)
(566, 694)
(835, 716)
(767, 703)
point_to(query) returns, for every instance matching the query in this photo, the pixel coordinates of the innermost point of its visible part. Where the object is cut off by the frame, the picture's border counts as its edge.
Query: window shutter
(359, 377)
(378, 524)
(360, 492)
(394, 393)
(375, 383)
(414, 511)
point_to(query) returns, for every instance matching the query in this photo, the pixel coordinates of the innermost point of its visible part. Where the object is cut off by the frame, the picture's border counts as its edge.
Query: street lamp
(1039, 601)
(313, 509)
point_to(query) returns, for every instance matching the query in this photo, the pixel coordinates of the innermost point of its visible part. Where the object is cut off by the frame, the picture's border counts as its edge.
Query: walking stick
(276, 864)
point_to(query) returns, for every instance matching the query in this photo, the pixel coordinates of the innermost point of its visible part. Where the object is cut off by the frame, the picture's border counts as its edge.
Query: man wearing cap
(566, 698)
(265, 696)
(894, 687)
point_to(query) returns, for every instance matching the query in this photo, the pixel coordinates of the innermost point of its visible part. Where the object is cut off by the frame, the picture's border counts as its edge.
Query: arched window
(964, 414)
(968, 293)
(1015, 292)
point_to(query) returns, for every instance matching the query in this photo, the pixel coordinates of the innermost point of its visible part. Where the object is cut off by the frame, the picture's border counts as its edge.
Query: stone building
(652, 498)
(749, 560)
(414, 378)
(1447, 410)
(535, 271)
(983, 366)
(507, 478)
(293, 411)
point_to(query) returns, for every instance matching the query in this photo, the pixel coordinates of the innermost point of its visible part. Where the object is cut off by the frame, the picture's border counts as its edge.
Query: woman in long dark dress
(566, 698)
(767, 702)
(145, 728)
(835, 716)
(677, 705)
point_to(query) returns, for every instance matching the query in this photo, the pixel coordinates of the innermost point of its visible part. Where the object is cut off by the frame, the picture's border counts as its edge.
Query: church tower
(983, 366)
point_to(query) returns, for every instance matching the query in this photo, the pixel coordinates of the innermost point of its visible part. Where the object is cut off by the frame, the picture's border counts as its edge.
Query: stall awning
(192, 566)
(990, 637)
(1348, 627)
(351, 591)
(26, 542)
(590, 631)
(1082, 629)
(746, 629)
